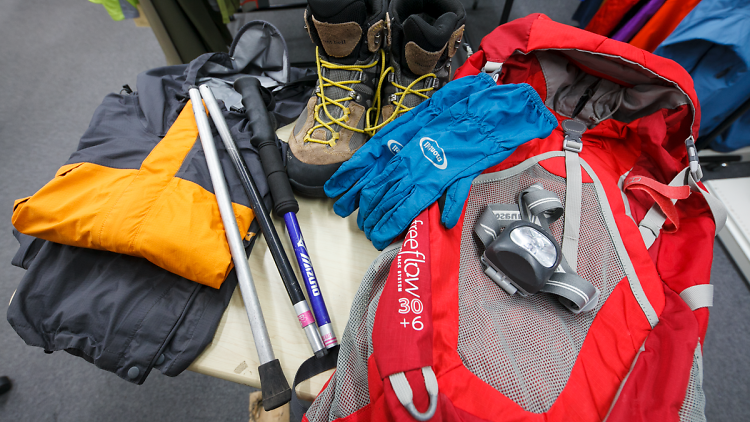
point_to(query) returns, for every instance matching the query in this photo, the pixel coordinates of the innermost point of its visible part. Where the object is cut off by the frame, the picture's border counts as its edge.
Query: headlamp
(521, 255)
(524, 256)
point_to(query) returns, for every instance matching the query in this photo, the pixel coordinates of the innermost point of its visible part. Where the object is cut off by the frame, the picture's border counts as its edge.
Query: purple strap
(636, 23)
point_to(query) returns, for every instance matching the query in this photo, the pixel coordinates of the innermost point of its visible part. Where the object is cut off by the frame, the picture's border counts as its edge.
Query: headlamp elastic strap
(540, 206)
(574, 292)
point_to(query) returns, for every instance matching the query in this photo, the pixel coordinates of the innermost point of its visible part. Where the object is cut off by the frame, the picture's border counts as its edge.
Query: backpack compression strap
(666, 196)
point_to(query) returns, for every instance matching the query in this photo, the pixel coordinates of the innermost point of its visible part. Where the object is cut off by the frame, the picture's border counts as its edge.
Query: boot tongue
(424, 42)
(339, 25)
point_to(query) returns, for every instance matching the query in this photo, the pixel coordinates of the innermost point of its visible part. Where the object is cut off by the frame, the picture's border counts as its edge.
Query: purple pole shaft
(311, 281)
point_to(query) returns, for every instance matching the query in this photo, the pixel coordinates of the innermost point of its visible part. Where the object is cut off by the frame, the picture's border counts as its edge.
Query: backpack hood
(654, 82)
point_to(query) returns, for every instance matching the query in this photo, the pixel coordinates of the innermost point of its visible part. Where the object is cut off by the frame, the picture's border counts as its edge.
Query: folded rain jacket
(120, 312)
(138, 183)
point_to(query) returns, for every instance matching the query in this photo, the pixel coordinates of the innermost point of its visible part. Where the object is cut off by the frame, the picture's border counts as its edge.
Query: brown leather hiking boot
(423, 36)
(348, 36)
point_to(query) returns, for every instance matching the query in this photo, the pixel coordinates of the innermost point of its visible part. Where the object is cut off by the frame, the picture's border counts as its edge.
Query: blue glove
(372, 158)
(473, 135)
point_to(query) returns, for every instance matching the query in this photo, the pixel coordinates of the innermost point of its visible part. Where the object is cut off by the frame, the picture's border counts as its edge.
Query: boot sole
(308, 179)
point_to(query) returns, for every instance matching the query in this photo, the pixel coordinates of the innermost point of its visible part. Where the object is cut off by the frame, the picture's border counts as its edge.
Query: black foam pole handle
(264, 140)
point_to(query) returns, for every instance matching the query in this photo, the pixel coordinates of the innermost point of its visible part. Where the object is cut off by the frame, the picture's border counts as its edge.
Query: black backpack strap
(310, 368)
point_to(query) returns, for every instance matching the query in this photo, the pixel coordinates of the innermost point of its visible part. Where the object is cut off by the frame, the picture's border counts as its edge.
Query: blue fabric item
(372, 158)
(476, 133)
(586, 11)
(734, 138)
(712, 44)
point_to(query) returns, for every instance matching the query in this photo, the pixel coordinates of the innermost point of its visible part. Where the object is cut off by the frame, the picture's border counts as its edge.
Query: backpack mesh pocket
(525, 347)
(694, 406)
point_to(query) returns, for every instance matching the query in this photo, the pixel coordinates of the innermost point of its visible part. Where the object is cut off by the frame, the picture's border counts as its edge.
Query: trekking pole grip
(264, 140)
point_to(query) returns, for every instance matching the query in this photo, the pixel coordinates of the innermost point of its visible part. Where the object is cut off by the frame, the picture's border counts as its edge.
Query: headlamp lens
(535, 243)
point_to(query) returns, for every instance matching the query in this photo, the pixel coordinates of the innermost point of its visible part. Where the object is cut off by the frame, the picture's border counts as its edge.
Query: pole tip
(273, 385)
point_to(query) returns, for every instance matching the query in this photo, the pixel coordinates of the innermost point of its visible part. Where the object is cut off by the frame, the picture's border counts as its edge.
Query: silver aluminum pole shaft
(300, 307)
(247, 287)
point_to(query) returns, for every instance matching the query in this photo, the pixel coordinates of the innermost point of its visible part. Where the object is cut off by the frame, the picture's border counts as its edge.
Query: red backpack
(431, 337)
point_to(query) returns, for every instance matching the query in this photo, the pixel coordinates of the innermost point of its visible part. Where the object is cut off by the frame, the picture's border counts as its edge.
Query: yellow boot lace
(324, 102)
(372, 126)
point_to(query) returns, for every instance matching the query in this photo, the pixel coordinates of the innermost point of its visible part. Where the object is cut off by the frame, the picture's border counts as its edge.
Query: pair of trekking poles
(274, 386)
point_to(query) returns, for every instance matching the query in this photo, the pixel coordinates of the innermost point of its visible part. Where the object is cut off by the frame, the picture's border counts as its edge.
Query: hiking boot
(348, 35)
(423, 36)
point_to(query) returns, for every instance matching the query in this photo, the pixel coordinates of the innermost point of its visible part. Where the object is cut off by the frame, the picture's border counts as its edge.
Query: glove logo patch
(432, 151)
(394, 146)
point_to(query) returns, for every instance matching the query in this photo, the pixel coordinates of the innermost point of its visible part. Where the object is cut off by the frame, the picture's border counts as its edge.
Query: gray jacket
(123, 313)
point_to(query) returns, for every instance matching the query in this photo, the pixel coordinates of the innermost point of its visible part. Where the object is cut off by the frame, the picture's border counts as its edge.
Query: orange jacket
(138, 183)
(149, 211)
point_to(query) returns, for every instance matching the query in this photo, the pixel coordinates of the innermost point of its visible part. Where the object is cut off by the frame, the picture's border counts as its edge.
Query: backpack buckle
(573, 130)
(693, 160)
(573, 145)
(494, 69)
